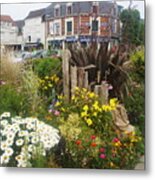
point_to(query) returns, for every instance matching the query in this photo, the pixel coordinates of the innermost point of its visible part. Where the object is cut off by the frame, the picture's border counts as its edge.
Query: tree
(132, 29)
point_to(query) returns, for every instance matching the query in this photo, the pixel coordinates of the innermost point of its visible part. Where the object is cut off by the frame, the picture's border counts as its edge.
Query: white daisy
(19, 142)
(4, 123)
(5, 159)
(23, 133)
(9, 151)
(4, 145)
(5, 115)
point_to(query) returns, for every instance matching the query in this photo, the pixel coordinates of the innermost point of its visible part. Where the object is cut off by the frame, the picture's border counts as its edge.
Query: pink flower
(110, 87)
(93, 137)
(116, 140)
(50, 110)
(56, 113)
(102, 156)
(102, 150)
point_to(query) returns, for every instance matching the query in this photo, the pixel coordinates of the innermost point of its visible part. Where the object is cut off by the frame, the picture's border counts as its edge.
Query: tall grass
(10, 71)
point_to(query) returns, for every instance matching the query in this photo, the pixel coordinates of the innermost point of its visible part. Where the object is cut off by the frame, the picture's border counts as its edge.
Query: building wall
(8, 33)
(34, 30)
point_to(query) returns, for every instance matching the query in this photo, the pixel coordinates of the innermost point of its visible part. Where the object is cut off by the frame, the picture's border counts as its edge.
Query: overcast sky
(21, 10)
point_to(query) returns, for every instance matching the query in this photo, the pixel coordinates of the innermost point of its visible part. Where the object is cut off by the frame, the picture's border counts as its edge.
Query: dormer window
(57, 10)
(95, 7)
(69, 8)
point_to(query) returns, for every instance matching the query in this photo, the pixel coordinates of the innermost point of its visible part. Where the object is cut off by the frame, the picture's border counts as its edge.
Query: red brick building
(82, 22)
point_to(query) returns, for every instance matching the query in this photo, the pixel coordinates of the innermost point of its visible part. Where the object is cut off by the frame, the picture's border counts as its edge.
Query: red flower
(102, 150)
(78, 142)
(93, 144)
(116, 140)
(102, 156)
(93, 137)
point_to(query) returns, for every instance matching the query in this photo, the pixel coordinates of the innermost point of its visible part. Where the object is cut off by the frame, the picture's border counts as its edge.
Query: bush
(47, 67)
(11, 100)
(90, 138)
(135, 101)
(26, 142)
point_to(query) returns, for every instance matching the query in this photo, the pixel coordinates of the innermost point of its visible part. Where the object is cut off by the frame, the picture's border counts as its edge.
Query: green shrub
(91, 139)
(47, 67)
(11, 100)
(138, 62)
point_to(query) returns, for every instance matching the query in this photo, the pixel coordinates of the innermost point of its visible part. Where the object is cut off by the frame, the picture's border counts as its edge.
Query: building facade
(8, 31)
(82, 22)
(34, 29)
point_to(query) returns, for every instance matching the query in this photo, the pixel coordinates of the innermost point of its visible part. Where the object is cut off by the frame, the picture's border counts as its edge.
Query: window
(69, 10)
(57, 28)
(94, 25)
(29, 38)
(69, 26)
(95, 9)
(57, 12)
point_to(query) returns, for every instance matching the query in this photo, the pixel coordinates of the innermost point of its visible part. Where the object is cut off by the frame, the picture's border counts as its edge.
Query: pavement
(141, 164)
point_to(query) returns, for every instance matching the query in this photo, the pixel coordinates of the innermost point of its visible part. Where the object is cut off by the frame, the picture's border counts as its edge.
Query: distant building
(8, 31)
(81, 22)
(34, 29)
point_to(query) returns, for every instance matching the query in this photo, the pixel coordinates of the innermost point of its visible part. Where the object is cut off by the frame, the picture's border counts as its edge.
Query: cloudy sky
(20, 10)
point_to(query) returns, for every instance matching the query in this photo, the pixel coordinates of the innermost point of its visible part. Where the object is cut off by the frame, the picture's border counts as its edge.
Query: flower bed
(24, 140)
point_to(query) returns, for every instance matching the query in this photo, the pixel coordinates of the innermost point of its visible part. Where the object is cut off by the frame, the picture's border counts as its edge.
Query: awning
(71, 39)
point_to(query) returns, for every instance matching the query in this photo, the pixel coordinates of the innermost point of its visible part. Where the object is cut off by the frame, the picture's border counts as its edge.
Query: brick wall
(85, 25)
(104, 27)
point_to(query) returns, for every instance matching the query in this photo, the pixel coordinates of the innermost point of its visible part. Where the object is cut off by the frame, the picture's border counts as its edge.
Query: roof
(36, 13)
(7, 18)
(19, 23)
(105, 7)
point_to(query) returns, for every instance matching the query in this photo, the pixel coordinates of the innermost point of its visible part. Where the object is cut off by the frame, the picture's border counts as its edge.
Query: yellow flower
(117, 144)
(46, 77)
(57, 104)
(85, 108)
(91, 95)
(60, 97)
(113, 103)
(106, 108)
(50, 85)
(63, 109)
(96, 106)
(77, 89)
(84, 89)
(112, 164)
(89, 122)
(45, 87)
(56, 79)
(95, 114)
(84, 114)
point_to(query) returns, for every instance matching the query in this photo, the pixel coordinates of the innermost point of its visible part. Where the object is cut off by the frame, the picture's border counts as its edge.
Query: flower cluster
(23, 138)
(48, 82)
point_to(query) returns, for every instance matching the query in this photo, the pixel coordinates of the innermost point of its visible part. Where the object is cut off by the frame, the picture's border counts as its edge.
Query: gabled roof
(7, 18)
(19, 23)
(36, 13)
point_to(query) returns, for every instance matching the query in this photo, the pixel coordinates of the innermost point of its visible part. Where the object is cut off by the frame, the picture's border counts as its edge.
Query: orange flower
(93, 144)
(78, 142)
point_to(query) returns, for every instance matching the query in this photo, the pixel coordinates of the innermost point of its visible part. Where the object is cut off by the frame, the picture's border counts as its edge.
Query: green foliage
(11, 100)
(132, 31)
(138, 63)
(47, 67)
(135, 101)
(91, 139)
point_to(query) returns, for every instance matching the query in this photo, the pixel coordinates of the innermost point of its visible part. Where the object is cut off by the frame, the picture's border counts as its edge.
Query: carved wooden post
(66, 74)
(102, 92)
(73, 78)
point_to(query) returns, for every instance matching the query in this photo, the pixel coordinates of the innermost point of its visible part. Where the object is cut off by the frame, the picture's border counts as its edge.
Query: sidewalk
(140, 165)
